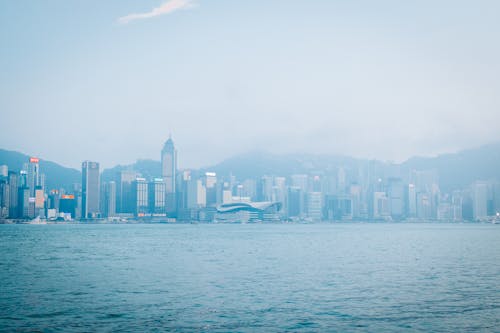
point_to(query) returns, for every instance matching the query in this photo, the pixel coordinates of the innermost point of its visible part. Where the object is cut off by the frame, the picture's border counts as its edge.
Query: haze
(109, 81)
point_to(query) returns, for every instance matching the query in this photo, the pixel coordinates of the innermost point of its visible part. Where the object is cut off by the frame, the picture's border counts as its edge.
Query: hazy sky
(109, 80)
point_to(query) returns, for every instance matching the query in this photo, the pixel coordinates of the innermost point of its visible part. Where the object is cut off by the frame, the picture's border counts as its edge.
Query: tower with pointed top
(168, 173)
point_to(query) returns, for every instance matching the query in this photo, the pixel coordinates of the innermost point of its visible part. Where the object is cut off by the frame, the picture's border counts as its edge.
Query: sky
(109, 81)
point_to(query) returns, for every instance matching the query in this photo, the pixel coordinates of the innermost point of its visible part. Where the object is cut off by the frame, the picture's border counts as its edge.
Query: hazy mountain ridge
(56, 176)
(456, 170)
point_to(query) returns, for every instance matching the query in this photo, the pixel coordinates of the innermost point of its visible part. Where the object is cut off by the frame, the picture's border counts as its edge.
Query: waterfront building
(338, 207)
(412, 201)
(242, 212)
(109, 199)
(39, 209)
(479, 200)
(33, 175)
(124, 197)
(23, 202)
(314, 206)
(380, 205)
(90, 190)
(13, 194)
(295, 202)
(68, 204)
(396, 198)
(168, 173)
(4, 197)
(211, 189)
(140, 197)
(157, 197)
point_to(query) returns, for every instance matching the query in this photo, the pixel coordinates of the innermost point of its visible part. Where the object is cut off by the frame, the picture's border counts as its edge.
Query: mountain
(458, 170)
(56, 176)
(256, 164)
(147, 168)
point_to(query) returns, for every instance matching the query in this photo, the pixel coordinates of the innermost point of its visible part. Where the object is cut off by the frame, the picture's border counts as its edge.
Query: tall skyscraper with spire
(168, 173)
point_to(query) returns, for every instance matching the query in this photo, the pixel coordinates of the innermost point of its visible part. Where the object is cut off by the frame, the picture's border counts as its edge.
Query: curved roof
(252, 206)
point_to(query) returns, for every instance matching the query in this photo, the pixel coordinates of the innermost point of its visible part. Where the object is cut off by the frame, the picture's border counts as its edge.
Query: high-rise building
(140, 195)
(124, 196)
(314, 206)
(168, 173)
(39, 202)
(156, 197)
(109, 199)
(33, 175)
(479, 200)
(23, 202)
(4, 197)
(412, 201)
(90, 190)
(67, 205)
(396, 197)
(295, 200)
(13, 194)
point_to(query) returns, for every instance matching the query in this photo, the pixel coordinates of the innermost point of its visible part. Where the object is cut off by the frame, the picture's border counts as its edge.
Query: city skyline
(388, 80)
(347, 190)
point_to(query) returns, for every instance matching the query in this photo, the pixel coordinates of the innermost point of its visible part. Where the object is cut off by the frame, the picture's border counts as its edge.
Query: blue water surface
(250, 278)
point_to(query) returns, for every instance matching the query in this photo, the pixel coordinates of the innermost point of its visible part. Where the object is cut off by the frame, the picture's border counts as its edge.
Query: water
(250, 278)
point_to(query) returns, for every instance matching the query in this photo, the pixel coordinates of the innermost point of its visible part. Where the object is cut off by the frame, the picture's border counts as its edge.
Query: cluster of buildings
(366, 192)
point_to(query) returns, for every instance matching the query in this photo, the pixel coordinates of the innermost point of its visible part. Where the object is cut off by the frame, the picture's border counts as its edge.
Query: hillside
(57, 176)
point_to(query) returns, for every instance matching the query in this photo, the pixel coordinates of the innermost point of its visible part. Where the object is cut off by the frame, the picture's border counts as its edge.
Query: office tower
(33, 175)
(124, 197)
(412, 201)
(380, 205)
(248, 189)
(479, 200)
(4, 197)
(314, 206)
(496, 198)
(53, 200)
(295, 201)
(67, 205)
(109, 199)
(90, 190)
(39, 209)
(265, 188)
(201, 194)
(355, 192)
(13, 194)
(211, 189)
(396, 197)
(156, 197)
(168, 173)
(23, 202)
(424, 206)
(337, 207)
(140, 197)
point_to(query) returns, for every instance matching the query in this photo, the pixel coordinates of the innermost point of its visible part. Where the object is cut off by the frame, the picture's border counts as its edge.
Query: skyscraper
(140, 195)
(168, 173)
(13, 194)
(90, 189)
(33, 175)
